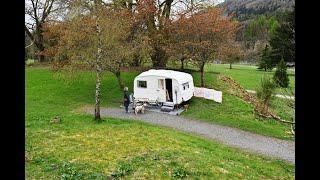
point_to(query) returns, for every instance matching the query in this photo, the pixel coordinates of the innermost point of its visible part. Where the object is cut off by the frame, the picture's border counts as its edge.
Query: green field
(234, 112)
(247, 76)
(80, 148)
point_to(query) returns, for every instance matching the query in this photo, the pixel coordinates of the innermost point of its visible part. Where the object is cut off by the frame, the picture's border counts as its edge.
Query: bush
(266, 89)
(30, 62)
(264, 94)
(280, 77)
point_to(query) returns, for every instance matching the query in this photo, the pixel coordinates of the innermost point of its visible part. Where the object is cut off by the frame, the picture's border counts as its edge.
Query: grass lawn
(247, 76)
(234, 112)
(79, 148)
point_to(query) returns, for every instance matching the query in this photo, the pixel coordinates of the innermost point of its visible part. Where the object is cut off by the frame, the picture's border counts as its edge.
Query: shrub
(30, 62)
(264, 94)
(280, 77)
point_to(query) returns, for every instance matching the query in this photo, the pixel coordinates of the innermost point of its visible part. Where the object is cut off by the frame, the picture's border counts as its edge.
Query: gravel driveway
(231, 136)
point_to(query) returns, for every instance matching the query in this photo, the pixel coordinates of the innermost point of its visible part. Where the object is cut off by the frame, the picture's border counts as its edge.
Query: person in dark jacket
(126, 98)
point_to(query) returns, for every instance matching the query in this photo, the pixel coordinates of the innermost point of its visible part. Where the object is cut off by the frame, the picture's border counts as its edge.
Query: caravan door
(161, 90)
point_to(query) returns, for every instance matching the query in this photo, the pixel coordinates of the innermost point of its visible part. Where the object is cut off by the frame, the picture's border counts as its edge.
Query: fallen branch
(274, 117)
(242, 93)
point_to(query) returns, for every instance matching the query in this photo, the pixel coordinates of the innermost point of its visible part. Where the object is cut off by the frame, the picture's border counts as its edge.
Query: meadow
(79, 148)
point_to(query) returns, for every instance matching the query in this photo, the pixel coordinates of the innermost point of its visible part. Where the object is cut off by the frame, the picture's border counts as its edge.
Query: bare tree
(38, 12)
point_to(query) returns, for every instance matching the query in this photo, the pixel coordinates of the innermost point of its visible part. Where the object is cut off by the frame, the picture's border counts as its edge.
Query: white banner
(198, 92)
(217, 96)
(208, 94)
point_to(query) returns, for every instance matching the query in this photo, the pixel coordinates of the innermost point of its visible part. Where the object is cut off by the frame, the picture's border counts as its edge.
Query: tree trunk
(40, 43)
(99, 67)
(40, 58)
(182, 63)
(230, 66)
(202, 75)
(159, 58)
(97, 105)
(265, 68)
(40, 50)
(118, 74)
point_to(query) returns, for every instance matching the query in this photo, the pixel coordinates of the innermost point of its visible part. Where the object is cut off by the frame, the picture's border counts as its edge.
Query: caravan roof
(181, 77)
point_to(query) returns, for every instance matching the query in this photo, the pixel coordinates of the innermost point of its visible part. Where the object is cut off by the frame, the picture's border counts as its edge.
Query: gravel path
(230, 136)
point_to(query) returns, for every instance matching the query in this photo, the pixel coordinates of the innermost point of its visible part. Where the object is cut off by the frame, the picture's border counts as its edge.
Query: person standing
(126, 99)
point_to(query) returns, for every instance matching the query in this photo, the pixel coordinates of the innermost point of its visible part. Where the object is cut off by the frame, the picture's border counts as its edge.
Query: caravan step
(168, 104)
(167, 108)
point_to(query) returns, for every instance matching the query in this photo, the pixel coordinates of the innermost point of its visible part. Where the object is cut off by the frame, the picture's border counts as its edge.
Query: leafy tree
(231, 53)
(156, 17)
(273, 25)
(37, 13)
(260, 29)
(201, 34)
(282, 40)
(280, 77)
(266, 62)
(100, 38)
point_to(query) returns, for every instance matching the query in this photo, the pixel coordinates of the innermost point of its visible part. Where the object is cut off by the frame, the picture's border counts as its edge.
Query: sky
(28, 19)
(219, 1)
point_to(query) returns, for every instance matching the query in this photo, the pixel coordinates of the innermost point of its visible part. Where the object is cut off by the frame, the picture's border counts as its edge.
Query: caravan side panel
(151, 91)
(187, 90)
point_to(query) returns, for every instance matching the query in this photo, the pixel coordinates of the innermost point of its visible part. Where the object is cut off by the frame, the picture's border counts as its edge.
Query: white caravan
(163, 86)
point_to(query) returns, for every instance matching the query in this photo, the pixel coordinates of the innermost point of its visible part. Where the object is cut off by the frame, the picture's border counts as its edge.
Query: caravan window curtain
(161, 83)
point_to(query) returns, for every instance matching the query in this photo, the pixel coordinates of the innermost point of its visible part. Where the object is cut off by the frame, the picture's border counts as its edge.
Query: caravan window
(185, 86)
(142, 84)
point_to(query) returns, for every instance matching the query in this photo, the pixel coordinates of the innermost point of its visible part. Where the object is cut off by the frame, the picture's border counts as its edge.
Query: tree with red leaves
(201, 34)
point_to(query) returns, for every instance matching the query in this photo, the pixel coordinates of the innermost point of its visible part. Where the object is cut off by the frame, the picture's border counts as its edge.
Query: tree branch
(31, 36)
(28, 33)
(35, 6)
(29, 44)
(46, 9)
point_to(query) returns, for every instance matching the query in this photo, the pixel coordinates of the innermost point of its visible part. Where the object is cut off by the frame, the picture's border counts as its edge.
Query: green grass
(80, 148)
(247, 76)
(234, 112)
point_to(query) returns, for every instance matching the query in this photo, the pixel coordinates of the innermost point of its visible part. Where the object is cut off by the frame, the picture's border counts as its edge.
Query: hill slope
(245, 9)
